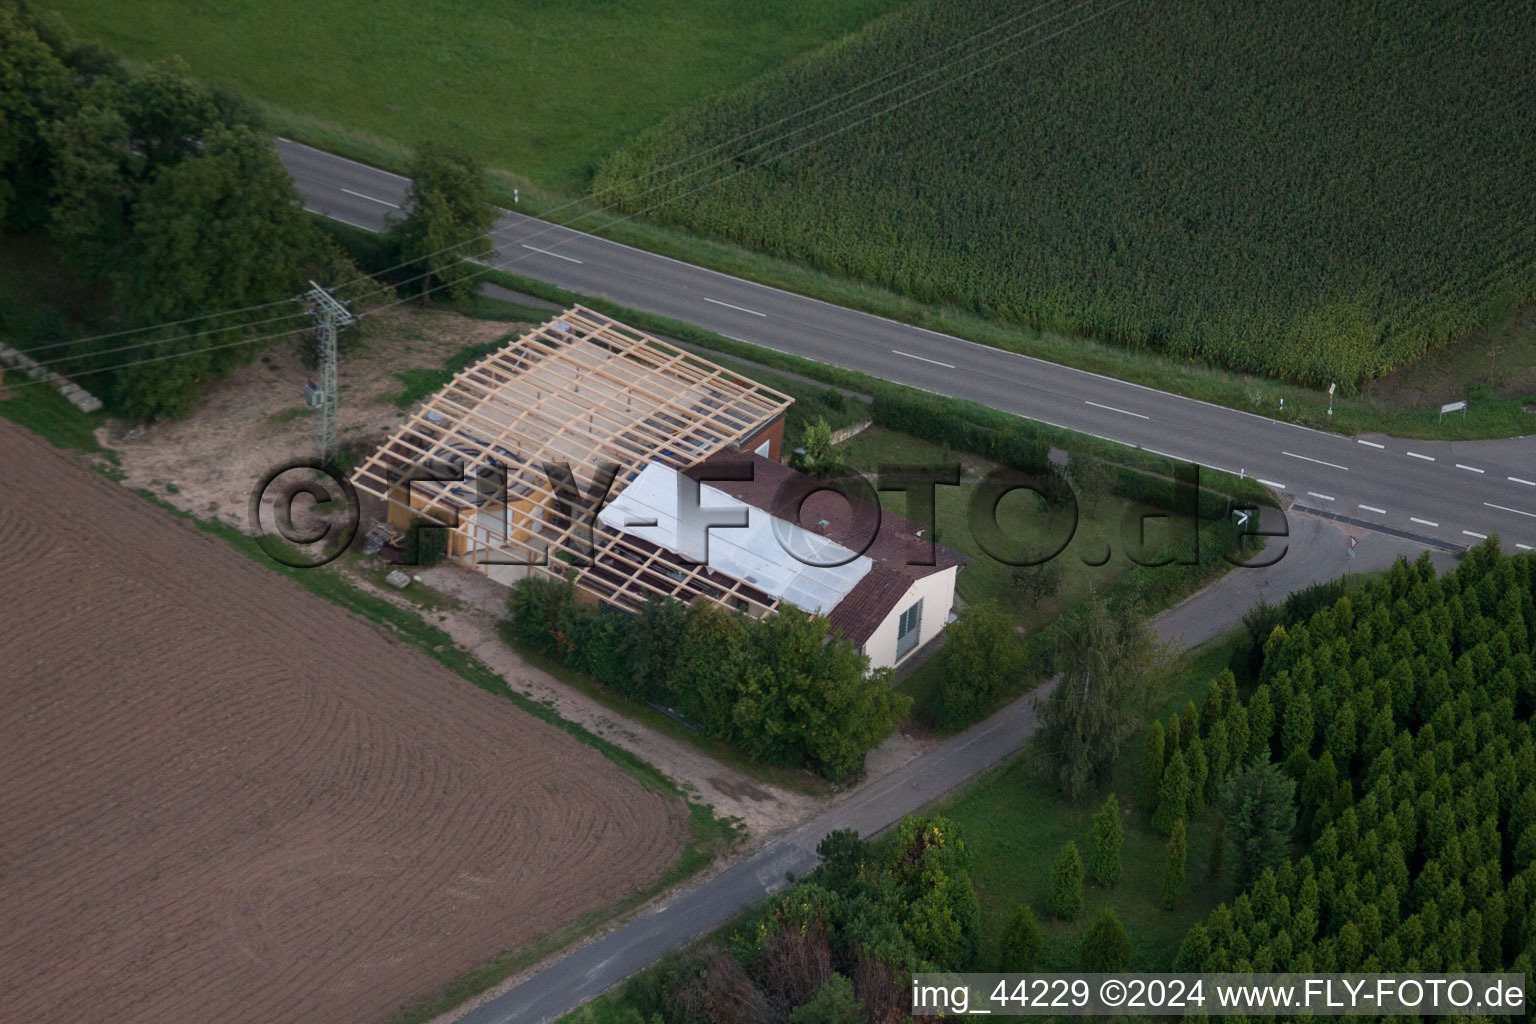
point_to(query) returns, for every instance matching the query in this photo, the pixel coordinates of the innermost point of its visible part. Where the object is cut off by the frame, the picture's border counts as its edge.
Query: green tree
(1152, 762)
(815, 705)
(980, 659)
(222, 231)
(816, 442)
(1067, 884)
(843, 856)
(1108, 661)
(1171, 889)
(1106, 946)
(1036, 582)
(1108, 832)
(1260, 806)
(833, 1003)
(34, 86)
(931, 871)
(169, 114)
(92, 188)
(447, 220)
(1173, 798)
(1021, 941)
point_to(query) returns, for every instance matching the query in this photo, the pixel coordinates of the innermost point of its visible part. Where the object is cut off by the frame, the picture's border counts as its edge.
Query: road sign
(1460, 407)
(1241, 514)
(1353, 540)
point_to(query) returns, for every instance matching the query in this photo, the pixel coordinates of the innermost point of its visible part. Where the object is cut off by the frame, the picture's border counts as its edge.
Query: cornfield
(1318, 190)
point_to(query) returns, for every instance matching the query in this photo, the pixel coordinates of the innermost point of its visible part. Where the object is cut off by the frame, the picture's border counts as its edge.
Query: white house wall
(937, 593)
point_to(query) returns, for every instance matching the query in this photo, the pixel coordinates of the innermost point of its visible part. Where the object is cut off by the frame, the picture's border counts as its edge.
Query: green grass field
(985, 578)
(543, 89)
(1015, 822)
(1312, 190)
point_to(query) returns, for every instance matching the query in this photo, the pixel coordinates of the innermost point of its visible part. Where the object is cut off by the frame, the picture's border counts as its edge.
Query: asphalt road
(1450, 493)
(592, 969)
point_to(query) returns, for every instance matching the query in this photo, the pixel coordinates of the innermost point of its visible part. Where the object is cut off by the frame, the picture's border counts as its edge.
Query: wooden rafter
(581, 389)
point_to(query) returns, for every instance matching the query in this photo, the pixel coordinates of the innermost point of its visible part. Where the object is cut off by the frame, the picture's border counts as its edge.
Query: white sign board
(1452, 407)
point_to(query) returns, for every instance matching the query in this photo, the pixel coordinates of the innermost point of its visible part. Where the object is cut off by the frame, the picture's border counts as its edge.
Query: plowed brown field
(223, 799)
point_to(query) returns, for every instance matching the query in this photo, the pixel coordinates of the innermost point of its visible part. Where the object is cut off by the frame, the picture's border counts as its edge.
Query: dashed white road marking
(371, 199)
(925, 359)
(1123, 412)
(556, 255)
(1325, 497)
(1479, 536)
(1320, 462)
(1369, 444)
(1469, 469)
(739, 309)
(1421, 522)
(1426, 458)
(1271, 483)
(1517, 480)
(1373, 508)
(1506, 508)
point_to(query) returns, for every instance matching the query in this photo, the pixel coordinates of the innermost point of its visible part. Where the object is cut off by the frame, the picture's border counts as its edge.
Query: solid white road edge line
(556, 255)
(371, 199)
(1506, 508)
(1320, 462)
(1123, 412)
(739, 309)
(925, 359)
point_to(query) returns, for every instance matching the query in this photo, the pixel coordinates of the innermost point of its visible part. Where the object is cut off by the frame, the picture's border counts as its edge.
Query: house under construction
(567, 450)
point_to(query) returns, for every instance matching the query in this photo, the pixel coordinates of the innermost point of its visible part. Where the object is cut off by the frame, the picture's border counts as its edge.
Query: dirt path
(763, 809)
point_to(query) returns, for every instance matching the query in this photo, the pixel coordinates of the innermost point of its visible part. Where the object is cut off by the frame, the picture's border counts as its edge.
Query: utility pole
(330, 316)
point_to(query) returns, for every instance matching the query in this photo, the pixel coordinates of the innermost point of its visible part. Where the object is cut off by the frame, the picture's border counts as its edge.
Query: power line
(550, 227)
(497, 232)
(161, 341)
(174, 323)
(717, 146)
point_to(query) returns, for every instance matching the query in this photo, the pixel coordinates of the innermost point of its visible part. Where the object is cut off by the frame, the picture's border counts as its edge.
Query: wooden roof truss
(583, 390)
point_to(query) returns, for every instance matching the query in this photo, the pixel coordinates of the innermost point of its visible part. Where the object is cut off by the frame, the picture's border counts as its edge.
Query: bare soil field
(224, 799)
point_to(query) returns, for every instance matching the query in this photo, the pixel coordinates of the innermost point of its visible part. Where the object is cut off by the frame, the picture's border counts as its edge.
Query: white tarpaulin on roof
(779, 558)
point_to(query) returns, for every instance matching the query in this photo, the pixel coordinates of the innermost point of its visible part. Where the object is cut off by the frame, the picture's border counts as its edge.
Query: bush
(980, 660)
(1108, 832)
(1067, 884)
(1171, 890)
(1106, 946)
(425, 544)
(780, 688)
(1021, 941)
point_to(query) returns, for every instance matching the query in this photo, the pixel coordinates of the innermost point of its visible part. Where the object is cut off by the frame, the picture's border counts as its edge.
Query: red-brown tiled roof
(889, 540)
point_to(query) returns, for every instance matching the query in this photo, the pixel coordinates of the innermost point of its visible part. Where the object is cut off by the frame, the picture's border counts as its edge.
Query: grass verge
(1015, 822)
